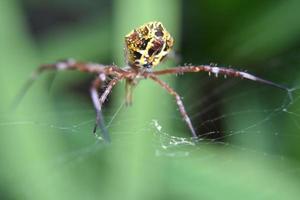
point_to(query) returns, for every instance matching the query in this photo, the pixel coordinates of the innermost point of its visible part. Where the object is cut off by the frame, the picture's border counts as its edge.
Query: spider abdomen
(147, 45)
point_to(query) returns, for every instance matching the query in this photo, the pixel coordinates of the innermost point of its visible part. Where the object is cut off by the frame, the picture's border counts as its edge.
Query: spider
(145, 48)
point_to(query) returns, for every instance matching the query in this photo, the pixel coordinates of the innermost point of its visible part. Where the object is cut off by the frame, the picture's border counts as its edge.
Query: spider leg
(98, 101)
(99, 117)
(221, 70)
(129, 86)
(178, 101)
(69, 64)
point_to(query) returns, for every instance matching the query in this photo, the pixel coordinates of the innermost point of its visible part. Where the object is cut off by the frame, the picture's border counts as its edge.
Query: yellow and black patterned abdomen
(147, 45)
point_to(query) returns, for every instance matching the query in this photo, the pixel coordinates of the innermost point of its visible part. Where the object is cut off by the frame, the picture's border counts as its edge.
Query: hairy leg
(69, 64)
(219, 70)
(178, 101)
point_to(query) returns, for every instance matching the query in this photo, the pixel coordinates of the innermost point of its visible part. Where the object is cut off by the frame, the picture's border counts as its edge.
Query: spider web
(269, 115)
(71, 122)
(167, 143)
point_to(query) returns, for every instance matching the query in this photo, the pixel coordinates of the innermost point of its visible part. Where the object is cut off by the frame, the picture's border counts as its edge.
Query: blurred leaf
(268, 32)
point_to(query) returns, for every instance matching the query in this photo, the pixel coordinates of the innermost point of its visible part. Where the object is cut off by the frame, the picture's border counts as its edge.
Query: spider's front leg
(69, 64)
(178, 101)
(220, 70)
(98, 102)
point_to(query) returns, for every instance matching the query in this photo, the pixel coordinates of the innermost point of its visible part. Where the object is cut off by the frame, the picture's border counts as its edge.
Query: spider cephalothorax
(147, 45)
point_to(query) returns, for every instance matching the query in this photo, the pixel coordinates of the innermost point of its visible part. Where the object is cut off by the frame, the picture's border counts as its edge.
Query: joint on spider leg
(62, 65)
(215, 70)
(248, 76)
(179, 101)
(94, 65)
(102, 77)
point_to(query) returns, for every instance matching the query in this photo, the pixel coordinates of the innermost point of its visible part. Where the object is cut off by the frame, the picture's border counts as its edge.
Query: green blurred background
(250, 147)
